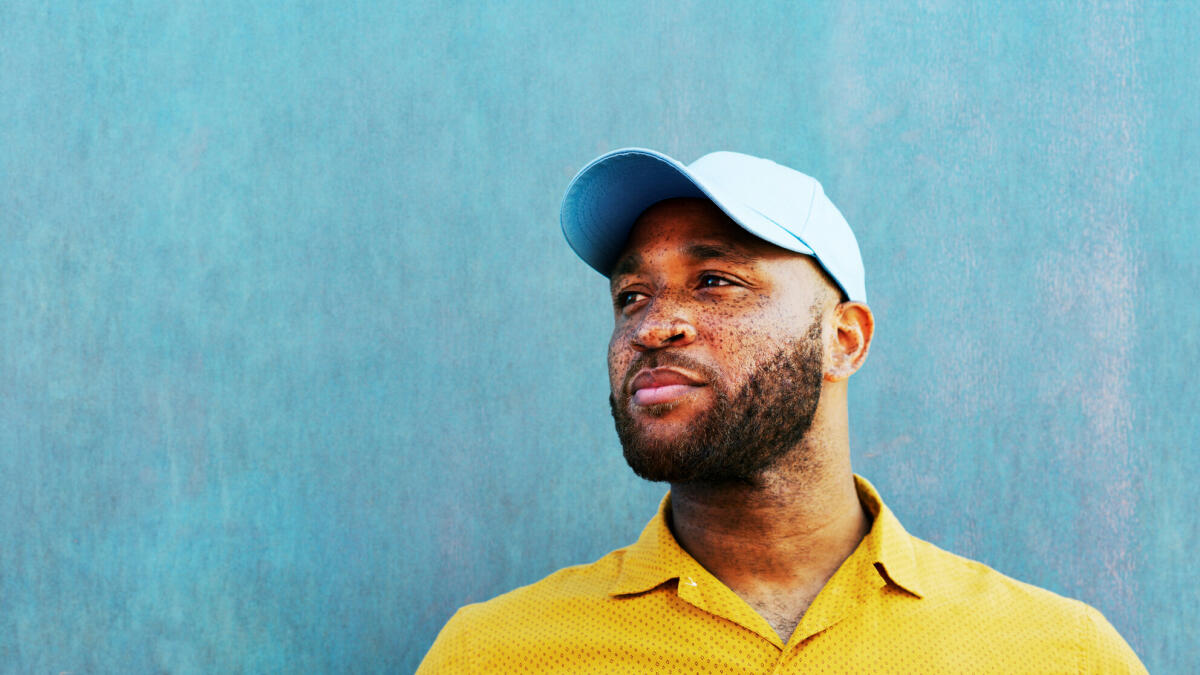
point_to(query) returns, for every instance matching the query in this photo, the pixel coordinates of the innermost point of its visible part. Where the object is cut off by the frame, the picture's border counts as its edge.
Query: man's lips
(662, 385)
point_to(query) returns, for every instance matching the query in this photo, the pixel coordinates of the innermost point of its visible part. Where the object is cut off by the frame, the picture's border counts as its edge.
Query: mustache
(663, 359)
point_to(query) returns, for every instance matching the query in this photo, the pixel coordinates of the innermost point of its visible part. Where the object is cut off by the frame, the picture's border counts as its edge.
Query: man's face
(716, 356)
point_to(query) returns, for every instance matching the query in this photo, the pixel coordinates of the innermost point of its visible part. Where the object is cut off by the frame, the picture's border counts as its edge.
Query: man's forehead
(631, 260)
(695, 227)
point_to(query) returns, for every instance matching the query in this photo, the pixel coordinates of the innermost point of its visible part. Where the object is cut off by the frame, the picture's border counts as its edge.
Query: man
(740, 314)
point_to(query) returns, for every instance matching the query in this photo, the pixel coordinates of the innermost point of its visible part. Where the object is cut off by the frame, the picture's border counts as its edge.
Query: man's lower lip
(664, 394)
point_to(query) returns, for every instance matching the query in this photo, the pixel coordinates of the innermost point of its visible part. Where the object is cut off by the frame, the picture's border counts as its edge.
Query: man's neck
(775, 543)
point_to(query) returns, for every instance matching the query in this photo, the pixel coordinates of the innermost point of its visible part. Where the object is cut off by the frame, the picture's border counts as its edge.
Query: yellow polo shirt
(896, 605)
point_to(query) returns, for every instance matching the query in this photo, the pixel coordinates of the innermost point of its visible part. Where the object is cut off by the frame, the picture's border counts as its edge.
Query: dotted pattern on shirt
(940, 614)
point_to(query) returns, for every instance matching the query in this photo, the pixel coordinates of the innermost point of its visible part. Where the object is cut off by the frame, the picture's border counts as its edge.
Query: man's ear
(854, 326)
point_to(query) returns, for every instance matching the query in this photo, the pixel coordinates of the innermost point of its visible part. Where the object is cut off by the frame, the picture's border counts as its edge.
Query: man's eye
(712, 280)
(628, 298)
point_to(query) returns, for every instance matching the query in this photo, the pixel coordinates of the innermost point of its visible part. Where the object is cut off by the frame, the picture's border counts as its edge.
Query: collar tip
(628, 589)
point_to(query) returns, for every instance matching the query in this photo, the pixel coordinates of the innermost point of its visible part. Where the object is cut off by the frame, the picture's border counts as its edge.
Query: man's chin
(656, 464)
(663, 464)
(660, 441)
(665, 450)
(662, 428)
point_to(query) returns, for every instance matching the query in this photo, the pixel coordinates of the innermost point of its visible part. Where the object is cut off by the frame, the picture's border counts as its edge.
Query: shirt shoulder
(1016, 615)
(952, 578)
(483, 637)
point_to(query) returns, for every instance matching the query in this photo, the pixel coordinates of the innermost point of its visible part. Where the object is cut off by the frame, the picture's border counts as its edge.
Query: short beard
(745, 433)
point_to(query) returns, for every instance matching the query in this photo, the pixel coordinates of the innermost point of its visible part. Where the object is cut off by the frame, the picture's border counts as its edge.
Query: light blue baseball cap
(768, 200)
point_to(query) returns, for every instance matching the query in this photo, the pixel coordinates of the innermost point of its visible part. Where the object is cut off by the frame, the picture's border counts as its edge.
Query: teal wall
(294, 361)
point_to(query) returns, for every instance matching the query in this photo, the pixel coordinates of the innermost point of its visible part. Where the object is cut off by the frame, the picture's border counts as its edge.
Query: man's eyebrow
(629, 263)
(719, 252)
(632, 262)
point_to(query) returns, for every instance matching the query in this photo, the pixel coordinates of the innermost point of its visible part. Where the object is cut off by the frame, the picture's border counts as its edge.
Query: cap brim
(606, 197)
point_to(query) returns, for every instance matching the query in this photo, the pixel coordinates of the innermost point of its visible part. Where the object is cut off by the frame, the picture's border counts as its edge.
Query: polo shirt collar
(888, 546)
(657, 557)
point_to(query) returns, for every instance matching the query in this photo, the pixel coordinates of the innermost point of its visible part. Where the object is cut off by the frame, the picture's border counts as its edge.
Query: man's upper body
(897, 605)
(739, 316)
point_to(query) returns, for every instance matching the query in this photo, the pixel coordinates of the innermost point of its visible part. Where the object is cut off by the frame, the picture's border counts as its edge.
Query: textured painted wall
(294, 361)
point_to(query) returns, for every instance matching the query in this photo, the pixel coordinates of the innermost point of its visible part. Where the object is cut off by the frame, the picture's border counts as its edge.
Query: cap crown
(769, 200)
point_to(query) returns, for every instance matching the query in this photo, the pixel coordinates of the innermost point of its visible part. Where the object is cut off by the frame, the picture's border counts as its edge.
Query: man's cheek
(617, 365)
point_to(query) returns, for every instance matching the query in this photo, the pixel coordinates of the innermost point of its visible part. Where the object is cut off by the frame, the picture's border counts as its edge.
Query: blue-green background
(294, 361)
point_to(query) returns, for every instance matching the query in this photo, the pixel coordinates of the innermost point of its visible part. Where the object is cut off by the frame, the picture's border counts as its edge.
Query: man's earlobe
(854, 326)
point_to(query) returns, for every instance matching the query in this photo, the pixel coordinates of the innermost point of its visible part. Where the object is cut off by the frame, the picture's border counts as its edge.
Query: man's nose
(663, 326)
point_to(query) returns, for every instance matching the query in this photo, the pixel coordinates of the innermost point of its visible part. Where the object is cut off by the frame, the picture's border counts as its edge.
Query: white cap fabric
(770, 201)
